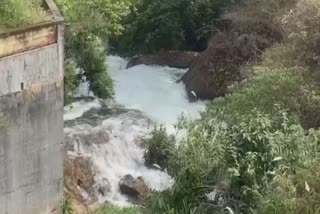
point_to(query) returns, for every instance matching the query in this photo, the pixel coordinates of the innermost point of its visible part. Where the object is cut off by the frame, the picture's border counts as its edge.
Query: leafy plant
(88, 55)
(159, 148)
(180, 24)
(89, 23)
(67, 209)
(109, 209)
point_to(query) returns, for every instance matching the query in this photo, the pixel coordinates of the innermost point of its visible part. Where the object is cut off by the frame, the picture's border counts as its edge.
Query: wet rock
(99, 137)
(73, 142)
(79, 179)
(104, 187)
(134, 188)
(175, 59)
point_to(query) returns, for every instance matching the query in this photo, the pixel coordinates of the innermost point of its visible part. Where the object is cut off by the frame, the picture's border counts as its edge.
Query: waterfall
(109, 133)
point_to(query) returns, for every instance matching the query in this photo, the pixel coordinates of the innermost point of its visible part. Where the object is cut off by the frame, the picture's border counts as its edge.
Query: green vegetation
(115, 210)
(16, 13)
(257, 149)
(67, 209)
(166, 24)
(89, 24)
(254, 151)
(158, 148)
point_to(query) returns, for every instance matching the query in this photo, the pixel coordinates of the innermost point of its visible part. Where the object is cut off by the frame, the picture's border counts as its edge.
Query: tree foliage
(165, 24)
(89, 24)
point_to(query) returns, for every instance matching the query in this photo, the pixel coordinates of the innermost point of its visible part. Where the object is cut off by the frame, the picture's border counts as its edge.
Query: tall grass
(246, 149)
(15, 13)
(109, 209)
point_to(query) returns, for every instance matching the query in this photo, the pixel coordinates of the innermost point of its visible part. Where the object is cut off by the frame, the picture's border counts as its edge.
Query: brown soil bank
(175, 59)
(240, 41)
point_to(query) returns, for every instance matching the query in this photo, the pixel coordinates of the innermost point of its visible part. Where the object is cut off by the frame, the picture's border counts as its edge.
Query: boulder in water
(104, 187)
(134, 188)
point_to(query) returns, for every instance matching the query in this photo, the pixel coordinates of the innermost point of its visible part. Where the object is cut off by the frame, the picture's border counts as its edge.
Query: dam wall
(31, 109)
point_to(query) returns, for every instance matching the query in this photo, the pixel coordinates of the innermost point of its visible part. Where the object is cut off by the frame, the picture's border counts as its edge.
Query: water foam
(153, 90)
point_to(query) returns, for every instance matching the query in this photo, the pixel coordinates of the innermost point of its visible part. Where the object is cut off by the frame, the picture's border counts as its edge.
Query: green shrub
(179, 24)
(99, 18)
(287, 87)
(241, 145)
(297, 192)
(71, 80)
(67, 209)
(89, 24)
(159, 148)
(109, 209)
(86, 59)
(89, 54)
(238, 159)
(301, 42)
(15, 13)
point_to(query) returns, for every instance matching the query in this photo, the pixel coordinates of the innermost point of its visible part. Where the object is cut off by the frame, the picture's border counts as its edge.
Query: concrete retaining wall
(31, 102)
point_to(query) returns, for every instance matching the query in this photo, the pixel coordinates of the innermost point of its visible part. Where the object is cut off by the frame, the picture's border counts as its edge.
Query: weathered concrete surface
(31, 180)
(31, 152)
(21, 71)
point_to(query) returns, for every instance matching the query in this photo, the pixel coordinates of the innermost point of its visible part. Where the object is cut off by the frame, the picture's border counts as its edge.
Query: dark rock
(134, 188)
(228, 53)
(175, 59)
(104, 187)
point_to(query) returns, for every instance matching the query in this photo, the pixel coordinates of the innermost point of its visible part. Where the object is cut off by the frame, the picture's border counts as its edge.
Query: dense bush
(300, 46)
(180, 24)
(238, 160)
(298, 192)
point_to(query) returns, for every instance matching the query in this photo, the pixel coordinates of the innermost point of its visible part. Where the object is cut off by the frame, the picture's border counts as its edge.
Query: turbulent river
(109, 131)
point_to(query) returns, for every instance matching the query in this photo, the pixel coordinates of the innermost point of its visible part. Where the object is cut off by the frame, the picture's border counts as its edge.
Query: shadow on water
(95, 116)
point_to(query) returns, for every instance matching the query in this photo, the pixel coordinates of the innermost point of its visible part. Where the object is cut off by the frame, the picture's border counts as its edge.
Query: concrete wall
(31, 156)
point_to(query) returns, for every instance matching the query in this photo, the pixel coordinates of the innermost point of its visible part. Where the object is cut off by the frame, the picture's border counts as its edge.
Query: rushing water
(109, 132)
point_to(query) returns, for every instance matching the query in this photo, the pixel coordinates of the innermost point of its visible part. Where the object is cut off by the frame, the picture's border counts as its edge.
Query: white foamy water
(153, 90)
(110, 135)
(77, 109)
(113, 147)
